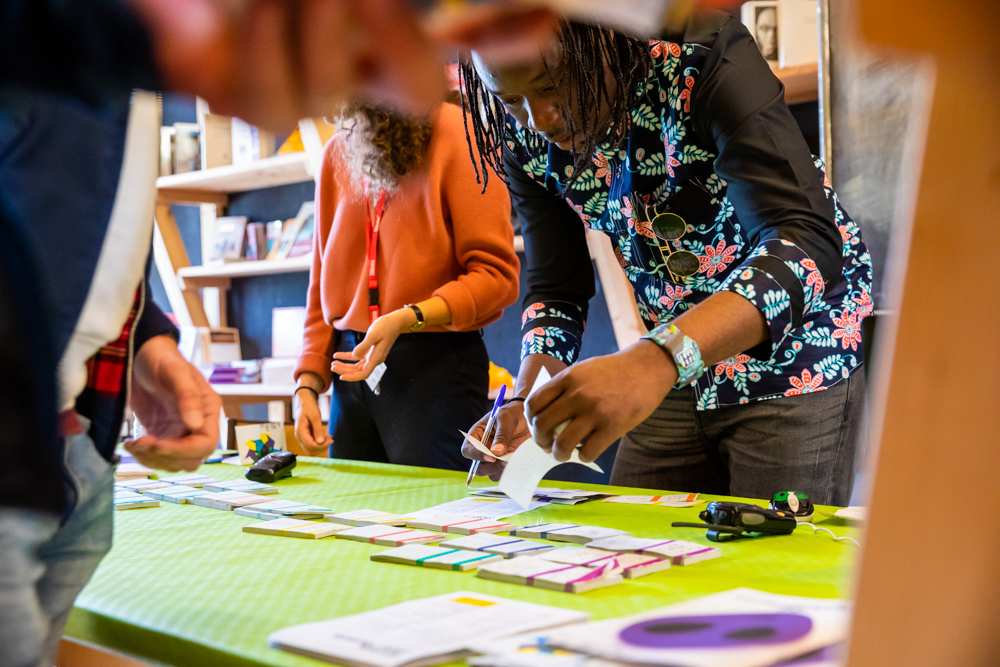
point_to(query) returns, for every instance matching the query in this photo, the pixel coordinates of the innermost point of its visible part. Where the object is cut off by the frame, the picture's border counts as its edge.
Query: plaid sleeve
(554, 328)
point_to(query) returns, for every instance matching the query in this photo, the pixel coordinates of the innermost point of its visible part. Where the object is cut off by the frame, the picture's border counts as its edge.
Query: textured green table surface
(183, 585)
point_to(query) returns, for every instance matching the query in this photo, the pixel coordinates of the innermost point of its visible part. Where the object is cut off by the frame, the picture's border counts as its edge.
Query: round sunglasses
(670, 227)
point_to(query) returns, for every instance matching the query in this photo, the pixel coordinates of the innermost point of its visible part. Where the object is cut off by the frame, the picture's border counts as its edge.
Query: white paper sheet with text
(477, 508)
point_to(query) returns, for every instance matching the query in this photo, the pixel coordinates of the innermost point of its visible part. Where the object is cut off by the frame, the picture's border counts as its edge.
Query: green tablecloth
(183, 585)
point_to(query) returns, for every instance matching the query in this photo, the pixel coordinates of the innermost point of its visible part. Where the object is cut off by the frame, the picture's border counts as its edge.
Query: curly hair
(382, 146)
(586, 52)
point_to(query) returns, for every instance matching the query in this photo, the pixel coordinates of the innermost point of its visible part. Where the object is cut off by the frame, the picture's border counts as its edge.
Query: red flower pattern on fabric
(531, 312)
(673, 294)
(732, 365)
(601, 162)
(671, 160)
(849, 332)
(716, 258)
(865, 305)
(806, 385)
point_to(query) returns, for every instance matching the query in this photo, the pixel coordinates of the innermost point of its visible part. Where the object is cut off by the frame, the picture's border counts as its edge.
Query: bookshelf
(199, 277)
(269, 172)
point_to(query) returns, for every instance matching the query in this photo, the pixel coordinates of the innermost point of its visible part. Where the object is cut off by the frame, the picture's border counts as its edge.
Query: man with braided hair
(751, 277)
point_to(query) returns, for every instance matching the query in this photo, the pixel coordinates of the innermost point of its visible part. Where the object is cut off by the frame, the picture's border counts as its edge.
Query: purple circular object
(724, 631)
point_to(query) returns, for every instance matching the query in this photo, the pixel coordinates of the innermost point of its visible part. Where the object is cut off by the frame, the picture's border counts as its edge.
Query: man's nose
(545, 118)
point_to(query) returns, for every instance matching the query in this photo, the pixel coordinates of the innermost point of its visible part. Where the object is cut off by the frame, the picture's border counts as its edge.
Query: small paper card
(376, 376)
(534, 571)
(294, 509)
(244, 485)
(508, 547)
(129, 500)
(175, 493)
(629, 566)
(564, 532)
(194, 480)
(294, 528)
(461, 525)
(390, 536)
(131, 470)
(227, 500)
(424, 555)
(139, 484)
(249, 511)
(679, 552)
(368, 518)
(676, 500)
(255, 441)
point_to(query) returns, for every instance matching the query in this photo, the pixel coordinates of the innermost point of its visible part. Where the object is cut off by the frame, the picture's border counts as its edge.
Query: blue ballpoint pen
(488, 431)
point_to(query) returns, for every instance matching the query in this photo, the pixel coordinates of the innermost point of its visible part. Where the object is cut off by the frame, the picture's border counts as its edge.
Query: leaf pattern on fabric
(661, 156)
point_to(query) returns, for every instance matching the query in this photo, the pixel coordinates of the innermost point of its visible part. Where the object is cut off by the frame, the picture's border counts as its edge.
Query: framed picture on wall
(761, 18)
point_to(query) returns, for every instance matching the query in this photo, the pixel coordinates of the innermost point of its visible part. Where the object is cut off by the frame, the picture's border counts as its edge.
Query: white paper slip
(630, 566)
(127, 470)
(139, 484)
(252, 513)
(419, 632)
(376, 376)
(227, 500)
(547, 494)
(508, 547)
(175, 493)
(369, 518)
(194, 480)
(564, 532)
(852, 513)
(295, 528)
(129, 500)
(675, 500)
(441, 558)
(529, 463)
(737, 628)
(244, 485)
(477, 508)
(390, 536)
(679, 552)
(460, 525)
(534, 571)
(294, 509)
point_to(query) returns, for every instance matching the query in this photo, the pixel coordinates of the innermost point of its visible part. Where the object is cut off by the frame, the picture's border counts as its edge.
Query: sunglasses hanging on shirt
(669, 227)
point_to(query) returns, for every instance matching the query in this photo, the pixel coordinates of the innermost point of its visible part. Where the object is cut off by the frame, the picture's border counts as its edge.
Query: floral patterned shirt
(763, 220)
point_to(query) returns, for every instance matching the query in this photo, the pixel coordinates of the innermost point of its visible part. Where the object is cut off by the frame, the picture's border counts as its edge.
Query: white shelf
(237, 389)
(266, 173)
(211, 276)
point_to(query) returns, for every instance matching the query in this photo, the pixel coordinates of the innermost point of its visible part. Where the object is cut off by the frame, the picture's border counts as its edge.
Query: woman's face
(528, 94)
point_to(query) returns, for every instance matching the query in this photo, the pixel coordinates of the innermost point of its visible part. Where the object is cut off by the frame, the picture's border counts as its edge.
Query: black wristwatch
(421, 322)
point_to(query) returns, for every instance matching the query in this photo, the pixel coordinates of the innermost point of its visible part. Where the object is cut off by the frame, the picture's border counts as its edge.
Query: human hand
(509, 431)
(601, 398)
(177, 407)
(309, 424)
(359, 363)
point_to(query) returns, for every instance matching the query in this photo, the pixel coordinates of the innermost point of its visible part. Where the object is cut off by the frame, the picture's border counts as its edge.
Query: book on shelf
(256, 241)
(295, 234)
(249, 143)
(227, 244)
(302, 245)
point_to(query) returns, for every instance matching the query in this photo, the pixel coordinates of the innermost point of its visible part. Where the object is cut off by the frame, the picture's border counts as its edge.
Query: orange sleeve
(320, 338)
(483, 237)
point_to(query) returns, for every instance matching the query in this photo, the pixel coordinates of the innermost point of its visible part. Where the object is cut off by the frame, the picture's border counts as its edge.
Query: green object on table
(183, 585)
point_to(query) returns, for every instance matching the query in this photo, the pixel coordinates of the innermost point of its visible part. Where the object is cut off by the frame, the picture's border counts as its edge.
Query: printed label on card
(376, 375)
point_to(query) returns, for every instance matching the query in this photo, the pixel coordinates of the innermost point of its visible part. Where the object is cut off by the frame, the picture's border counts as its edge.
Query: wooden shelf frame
(801, 83)
(200, 186)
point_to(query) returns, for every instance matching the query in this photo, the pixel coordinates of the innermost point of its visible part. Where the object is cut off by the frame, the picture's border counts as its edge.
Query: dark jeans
(434, 384)
(795, 443)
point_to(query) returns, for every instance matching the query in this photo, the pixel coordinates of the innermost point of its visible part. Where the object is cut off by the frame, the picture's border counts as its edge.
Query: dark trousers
(795, 443)
(434, 384)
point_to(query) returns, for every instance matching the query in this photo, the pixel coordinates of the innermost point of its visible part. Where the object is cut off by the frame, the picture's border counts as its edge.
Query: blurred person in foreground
(399, 195)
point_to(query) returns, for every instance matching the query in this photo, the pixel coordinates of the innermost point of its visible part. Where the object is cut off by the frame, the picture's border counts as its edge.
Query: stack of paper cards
(175, 493)
(629, 566)
(508, 547)
(285, 527)
(429, 631)
(290, 508)
(227, 500)
(565, 532)
(368, 518)
(737, 628)
(390, 536)
(540, 573)
(244, 485)
(676, 500)
(252, 513)
(129, 500)
(139, 484)
(131, 471)
(424, 555)
(547, 494)
(193, 479)
(460, 525)
(678, 551)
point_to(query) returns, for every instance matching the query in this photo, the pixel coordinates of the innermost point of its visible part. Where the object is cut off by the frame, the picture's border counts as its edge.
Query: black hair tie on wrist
(515, 399)
(300, 388)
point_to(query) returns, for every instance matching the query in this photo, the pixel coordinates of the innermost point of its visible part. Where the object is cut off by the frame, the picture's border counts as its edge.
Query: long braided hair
(586, 51)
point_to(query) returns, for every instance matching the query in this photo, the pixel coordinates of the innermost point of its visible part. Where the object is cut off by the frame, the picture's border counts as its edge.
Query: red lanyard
(371, 238)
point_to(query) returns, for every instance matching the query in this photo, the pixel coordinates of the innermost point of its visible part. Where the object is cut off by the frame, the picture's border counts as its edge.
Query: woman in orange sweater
(403, 192)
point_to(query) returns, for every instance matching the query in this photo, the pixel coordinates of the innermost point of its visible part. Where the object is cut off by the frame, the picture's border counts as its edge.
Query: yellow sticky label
(486, 500)
(476, 602)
